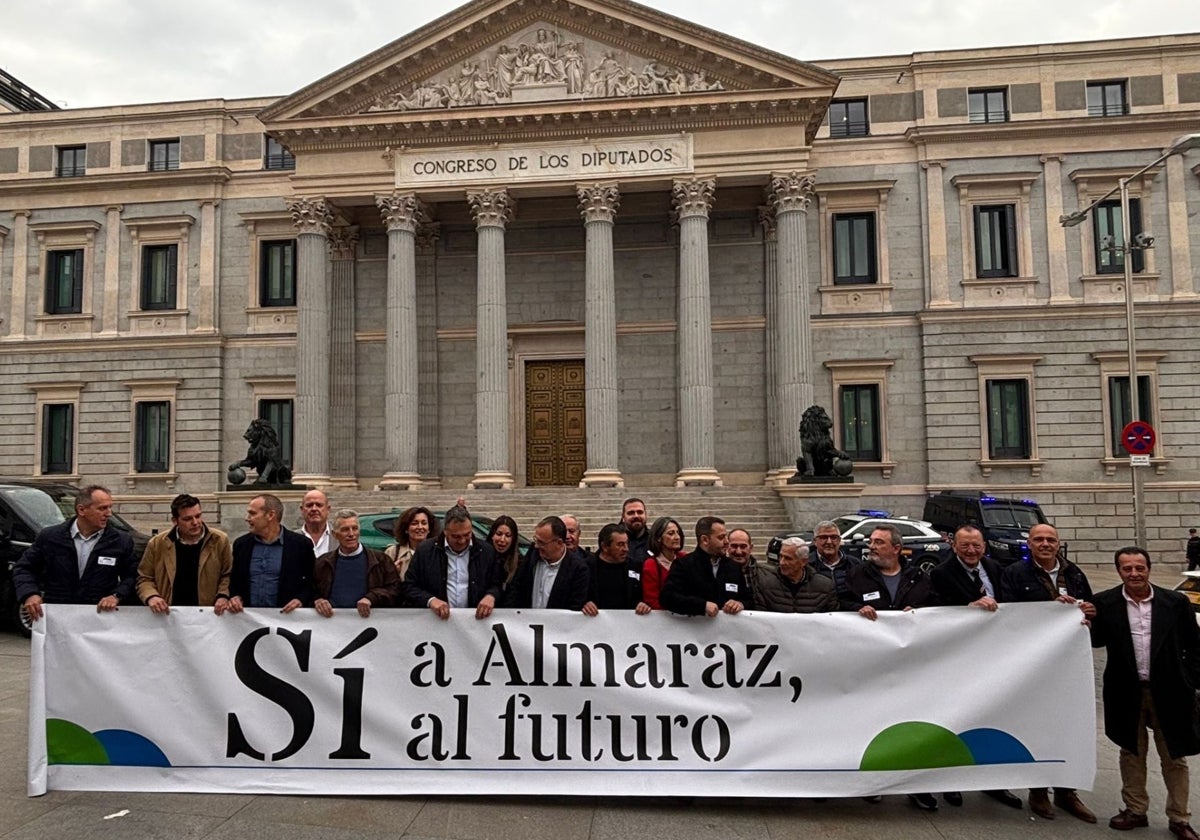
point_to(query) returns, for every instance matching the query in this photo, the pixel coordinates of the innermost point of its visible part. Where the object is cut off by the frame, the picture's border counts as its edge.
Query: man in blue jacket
(81, 561)
(272, 566)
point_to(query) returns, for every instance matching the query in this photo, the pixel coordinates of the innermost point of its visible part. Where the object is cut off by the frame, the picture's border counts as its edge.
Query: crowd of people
(1150, 633)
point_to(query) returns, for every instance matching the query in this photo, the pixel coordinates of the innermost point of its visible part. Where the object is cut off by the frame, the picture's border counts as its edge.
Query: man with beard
(706, 582)
(633, 517)
(187, 566)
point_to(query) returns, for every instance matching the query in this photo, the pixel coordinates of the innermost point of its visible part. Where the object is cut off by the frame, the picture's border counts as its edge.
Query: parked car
(922, 543)
(1004, 522)
(1190, 586)
(376, 529)
(26, 507)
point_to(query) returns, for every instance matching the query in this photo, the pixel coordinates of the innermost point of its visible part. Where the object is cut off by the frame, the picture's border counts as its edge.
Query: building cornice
(124, 181)
(1066, 130)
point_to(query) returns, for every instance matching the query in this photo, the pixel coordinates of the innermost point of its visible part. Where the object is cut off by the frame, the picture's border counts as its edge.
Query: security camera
(1143, 240)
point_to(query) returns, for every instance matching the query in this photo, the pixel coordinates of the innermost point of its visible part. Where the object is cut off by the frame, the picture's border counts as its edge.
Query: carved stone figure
(818, 455)
(264, 455)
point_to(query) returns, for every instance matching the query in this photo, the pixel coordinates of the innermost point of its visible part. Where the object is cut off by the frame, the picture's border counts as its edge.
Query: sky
(84, 53)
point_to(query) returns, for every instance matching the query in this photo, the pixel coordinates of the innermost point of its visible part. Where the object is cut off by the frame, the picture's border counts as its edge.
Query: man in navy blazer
(81, 561)
(272, 566)
(551, 576)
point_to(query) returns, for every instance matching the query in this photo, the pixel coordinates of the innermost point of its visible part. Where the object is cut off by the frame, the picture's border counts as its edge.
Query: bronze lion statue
(265, 455)
(818, 455)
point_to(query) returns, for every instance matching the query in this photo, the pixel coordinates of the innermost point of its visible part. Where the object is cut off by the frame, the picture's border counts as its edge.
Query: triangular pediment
(493, 54)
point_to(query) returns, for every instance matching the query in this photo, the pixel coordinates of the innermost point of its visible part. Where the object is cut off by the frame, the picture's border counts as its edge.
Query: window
(164, 155)
(1118, 407)
(277, 273)
(1008, 419)
(860, 422)
(159, 272)
(152, 437)
(987, 106)
(64, 282)
(58, 438)
(279, 414)
(995, 241)
(848, 118)
(854, 248)
(277, 156)
(72, 161)
(1106, 99)
(1107, 222)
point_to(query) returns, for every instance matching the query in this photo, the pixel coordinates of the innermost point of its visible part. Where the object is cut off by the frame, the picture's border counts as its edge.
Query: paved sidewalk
(181, 816)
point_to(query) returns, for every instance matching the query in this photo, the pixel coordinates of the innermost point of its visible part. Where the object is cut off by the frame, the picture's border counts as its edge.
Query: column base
(431, 482)
(399, 481)
(698, 478)
(491, 480)
(779, 476)
(313, 481)
(344, 482)
(602, 478)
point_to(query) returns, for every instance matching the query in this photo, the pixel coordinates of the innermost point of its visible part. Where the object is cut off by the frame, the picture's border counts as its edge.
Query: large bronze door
(555, 425)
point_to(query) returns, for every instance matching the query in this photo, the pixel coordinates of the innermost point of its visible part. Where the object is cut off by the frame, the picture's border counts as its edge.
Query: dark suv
(1004, 522)
(27, 507)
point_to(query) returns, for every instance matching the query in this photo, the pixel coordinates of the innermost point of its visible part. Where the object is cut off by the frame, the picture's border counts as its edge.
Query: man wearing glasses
(831, 561)
(550, 577)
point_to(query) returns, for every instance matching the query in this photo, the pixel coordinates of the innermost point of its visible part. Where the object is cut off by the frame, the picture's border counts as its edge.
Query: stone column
(343, 404)
(1183, 282)
(776, 444)
(428, 462)
(401, 213)
(598, 205)
(312, 219)
(492, 210)
(111, 297)
(791, 195)
(18, 317)
(1056, 235)
(935, 220)
(691, 201)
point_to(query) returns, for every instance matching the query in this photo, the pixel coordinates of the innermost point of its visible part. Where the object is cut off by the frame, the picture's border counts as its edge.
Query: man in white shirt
(314, 508)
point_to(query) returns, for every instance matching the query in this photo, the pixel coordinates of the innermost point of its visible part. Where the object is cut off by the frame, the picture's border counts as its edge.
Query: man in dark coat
(1153, 649)
(551, 576)
(454, 571)
(272, 566)
(792, 586)
(706, 582)
(1048, 577)
(81, 561)
(353, 576)
(969, 579)
(615, 583)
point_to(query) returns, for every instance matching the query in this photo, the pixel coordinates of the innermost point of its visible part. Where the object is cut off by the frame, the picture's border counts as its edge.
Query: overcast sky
(82, 53)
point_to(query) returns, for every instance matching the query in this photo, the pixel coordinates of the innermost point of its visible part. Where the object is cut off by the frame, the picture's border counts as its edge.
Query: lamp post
(1126, 246)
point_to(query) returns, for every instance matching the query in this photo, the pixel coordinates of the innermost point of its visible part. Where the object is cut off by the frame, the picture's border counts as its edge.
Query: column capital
(401, 211)
(598, 202)
(428, 234)
(310, 215)
(693, 198)
(343, 240)
(768, 221)
(491, 208)
(791, 191)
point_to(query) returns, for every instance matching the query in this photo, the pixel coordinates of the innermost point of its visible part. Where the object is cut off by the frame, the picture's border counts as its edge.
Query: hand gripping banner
(542, 702)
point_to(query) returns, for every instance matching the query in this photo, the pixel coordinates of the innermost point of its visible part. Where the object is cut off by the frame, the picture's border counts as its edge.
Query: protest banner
(540, 702)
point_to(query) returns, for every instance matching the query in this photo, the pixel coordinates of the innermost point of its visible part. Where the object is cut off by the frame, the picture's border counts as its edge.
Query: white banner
(558, 703)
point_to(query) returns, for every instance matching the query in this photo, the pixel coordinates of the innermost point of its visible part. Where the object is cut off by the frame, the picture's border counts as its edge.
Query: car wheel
(24, 624)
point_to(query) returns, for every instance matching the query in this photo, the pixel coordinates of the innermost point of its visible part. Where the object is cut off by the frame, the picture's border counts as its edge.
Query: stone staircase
(757, 509)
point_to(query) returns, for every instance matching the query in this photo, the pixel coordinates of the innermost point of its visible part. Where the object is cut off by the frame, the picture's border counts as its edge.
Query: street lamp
(1129, 243)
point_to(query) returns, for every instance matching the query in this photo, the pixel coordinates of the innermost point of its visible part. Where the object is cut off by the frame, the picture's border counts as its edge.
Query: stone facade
(711, 226)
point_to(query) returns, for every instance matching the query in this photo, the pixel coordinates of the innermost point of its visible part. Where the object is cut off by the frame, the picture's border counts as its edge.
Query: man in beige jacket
(187, 566)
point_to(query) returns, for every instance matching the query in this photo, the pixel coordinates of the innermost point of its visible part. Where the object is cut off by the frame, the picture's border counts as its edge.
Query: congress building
(582, 243)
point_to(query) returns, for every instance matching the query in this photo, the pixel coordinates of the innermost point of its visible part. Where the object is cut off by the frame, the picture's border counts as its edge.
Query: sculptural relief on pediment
(543, 63)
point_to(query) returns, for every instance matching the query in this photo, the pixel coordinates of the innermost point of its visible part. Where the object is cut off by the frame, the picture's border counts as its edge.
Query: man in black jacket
(81, 561)
(1153, 650)
(885, 582)
(550, 577)
(272, 566)
(454, 571)
(706, 582)
(1047, 577)
(614, 583)
(969, 579)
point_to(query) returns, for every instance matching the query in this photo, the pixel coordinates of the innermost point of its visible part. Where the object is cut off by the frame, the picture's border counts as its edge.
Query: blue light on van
(876, 514)
(1029, 501)
(987, 498)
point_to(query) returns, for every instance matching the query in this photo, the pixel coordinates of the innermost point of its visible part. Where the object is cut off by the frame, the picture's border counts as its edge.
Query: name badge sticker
(731, 587)
(870, 596)
(1062, 590)
(634, 575)
(107, 561)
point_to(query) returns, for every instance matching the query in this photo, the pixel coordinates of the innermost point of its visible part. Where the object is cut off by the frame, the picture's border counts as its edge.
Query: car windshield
(996, 516)
(34, 505)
